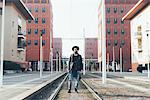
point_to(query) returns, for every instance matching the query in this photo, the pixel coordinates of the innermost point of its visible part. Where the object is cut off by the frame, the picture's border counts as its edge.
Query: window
(115, 10)
(115, 32)
(36, 31)
(43, 20)
(29, 1)
(29, 21)
(122, 43)
(43, 42)
(36, 1)
(115, 1)
(108, 31)
(29, 31)
(108, 20)
(115, 42)
(122, 10)
(115, 21)
(122, 1)
(29, 42)
(43, 1)
(43, 31)
(36, 42)
(108, 10)
(107, 1)
(122, 22)
(43, 9)
(36, 20)
(122, 31)
(109, 43)
(36, 9)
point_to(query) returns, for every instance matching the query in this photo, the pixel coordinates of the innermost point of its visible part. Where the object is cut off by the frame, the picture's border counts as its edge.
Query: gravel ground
(135, 82)
(114, 91)
(83, 94)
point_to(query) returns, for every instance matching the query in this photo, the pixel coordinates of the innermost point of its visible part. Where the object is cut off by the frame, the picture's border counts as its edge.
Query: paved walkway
(15, 85)
(119, 88)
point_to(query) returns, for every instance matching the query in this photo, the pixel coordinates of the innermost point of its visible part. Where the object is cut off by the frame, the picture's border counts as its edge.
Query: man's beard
(76, 52)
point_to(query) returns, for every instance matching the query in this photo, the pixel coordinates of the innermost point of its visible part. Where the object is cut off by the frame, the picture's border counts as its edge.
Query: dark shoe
(76, 90)
(69, 91)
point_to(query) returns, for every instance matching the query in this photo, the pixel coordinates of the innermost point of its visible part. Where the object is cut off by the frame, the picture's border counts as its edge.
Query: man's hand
(67, 70)
(81, 71)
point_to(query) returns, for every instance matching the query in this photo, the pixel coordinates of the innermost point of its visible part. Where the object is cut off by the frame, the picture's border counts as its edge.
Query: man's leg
(69, 82)
(77, 81)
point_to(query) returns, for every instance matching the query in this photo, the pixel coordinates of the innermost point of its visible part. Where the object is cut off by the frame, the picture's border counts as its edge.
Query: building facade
(140, 33)
(91, 54)
(43, 24)
(117, 32)
(16, 14)
(91, 48)
(57, 54)
(57, 47)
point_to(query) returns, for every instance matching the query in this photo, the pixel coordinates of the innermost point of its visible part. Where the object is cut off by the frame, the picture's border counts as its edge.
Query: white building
(140, 33)
(16, 14)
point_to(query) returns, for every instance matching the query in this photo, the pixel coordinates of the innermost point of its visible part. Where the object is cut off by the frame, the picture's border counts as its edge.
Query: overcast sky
(70, 17)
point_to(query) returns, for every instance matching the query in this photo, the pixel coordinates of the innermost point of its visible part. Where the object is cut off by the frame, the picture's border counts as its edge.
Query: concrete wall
(143, 20)
(12, 15)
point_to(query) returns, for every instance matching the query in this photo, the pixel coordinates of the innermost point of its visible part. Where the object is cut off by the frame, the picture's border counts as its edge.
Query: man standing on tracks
(75, 68)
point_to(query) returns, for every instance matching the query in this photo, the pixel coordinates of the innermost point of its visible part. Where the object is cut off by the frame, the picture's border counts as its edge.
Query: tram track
(53, 90)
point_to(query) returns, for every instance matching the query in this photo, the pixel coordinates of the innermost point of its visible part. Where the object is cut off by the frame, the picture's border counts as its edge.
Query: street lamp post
(51, 51)
(121, 60)
(103, 42)
(148, 57)
(84, 51)
(59, 62)
(2, 44)
(51, 60)
(113, 64)
(57, 55)
(41, 56)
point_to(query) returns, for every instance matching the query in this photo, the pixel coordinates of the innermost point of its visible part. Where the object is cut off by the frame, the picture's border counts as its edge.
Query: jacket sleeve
(81, 63)
(69, 62)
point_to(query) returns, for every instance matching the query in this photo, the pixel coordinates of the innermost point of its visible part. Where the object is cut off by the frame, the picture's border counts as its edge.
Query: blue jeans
(71, 78)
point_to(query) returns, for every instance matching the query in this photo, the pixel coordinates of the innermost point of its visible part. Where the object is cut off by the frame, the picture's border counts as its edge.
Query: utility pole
(2, 44)
(51, 52)
(41, 56)
(148, 72)
(84, 51)
(103, 42)
(121, 60)
(107, 62)
(51, 60)
(59, 62)
(113, 64)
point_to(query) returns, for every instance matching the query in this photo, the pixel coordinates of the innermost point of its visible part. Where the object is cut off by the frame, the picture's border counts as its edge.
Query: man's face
(76, 50)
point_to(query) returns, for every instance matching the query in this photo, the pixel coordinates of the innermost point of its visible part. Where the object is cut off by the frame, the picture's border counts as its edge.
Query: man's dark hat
(75, 47)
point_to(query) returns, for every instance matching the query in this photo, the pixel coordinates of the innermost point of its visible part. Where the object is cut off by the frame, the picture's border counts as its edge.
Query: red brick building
(43, 24)
(117, 31)
(57, 47)
(91, 48)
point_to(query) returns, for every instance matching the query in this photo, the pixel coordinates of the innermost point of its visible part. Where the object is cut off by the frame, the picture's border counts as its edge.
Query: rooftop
(22, 8)
(136, 9)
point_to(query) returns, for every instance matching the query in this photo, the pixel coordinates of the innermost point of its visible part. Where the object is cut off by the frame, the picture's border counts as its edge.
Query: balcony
(21, 35)
(21, 45)
(138, 35)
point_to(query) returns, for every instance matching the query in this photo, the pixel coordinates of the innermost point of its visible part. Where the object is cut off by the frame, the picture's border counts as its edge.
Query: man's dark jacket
(75, 63)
